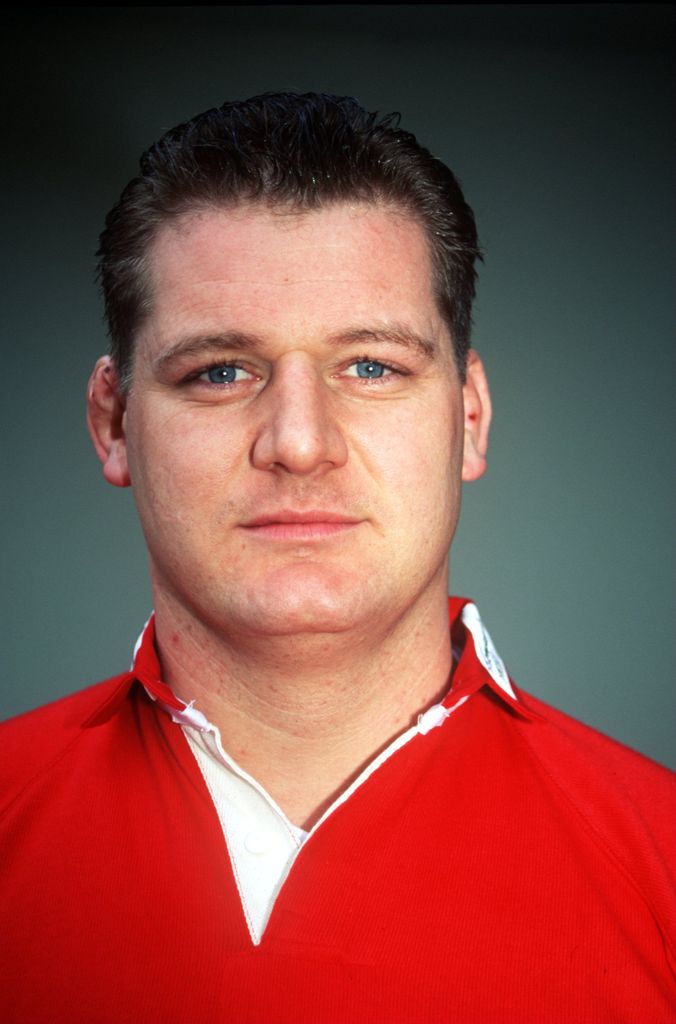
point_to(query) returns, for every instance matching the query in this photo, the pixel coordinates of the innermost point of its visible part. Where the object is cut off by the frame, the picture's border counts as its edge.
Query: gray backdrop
(556, 119)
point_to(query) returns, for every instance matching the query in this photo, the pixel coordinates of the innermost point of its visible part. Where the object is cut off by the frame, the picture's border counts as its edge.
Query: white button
(256, 843)
(431, 718)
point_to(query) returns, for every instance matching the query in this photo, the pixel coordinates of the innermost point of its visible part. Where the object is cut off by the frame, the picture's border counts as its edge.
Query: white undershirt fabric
(261, 840)
(262, 843)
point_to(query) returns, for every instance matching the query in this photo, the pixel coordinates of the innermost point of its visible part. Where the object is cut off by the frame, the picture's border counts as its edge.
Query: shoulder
(623, 800)
(35, 741)
(575, 751)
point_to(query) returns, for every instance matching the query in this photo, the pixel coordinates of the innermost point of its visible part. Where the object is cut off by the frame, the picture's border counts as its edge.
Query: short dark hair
(284, 149)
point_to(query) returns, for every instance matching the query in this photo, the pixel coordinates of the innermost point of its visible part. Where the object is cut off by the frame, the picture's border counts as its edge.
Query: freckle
(175, 639)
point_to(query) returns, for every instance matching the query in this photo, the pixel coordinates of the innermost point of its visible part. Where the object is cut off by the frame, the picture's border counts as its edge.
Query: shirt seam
(34, 778)
(602, 844)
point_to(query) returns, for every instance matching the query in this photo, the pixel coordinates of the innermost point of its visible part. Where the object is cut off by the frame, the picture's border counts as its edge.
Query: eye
(368, 369)
(225, 373)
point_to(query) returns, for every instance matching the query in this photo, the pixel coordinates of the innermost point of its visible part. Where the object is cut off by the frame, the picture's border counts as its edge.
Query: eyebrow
(202, 344)
(395, 334)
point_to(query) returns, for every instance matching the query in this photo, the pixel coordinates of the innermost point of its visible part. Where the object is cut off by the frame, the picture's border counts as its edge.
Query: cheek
(421, 458)
(180, 461)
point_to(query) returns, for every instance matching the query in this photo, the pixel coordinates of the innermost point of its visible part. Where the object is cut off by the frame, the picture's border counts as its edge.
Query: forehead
(278, 265)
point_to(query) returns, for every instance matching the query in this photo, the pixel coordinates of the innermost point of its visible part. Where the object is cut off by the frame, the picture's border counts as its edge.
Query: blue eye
(222, 374)
(369, 369)
(225, 374)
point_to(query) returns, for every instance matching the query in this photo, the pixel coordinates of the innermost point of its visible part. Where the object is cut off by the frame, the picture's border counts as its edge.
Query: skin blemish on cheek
(175, 639)
(472, 417)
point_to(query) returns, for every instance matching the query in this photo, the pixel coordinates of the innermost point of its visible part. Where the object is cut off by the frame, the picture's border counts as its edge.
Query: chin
(302, 600)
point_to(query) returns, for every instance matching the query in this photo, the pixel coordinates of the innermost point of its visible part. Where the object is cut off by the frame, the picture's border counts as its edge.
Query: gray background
(556, 119)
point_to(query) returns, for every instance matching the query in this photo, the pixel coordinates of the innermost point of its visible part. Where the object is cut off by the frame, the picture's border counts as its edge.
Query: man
(313, 798)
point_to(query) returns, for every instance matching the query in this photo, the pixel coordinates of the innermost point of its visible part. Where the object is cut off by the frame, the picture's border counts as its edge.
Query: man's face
(294, 431)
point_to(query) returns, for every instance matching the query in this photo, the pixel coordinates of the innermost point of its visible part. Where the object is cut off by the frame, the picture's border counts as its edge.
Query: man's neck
(305, 714)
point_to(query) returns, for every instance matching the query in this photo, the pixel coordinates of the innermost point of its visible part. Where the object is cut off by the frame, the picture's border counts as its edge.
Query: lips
(309, 516)
(309, 524)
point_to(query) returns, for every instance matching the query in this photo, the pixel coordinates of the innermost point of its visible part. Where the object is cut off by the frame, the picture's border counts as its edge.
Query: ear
(105, 418)
(477, 400)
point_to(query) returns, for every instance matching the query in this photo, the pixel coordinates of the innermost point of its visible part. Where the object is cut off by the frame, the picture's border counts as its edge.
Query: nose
(299, 432)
